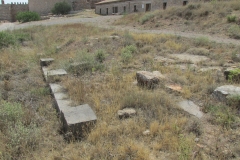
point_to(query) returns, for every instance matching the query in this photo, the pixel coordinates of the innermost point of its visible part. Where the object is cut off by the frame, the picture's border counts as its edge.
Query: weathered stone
(164, 60)
(148, 79)
(235, 77)
(210, 69)
(78, 120)
(53, 75)
(174, 88)
(46, 61)
(222, 92)
(126, 113)
(188, 57)
(191, 108)
(147, 132)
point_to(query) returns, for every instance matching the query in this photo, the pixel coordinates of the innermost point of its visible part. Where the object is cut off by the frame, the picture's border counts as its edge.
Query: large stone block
(53, 75)
(222, 92)
(78, 120)
(149, 79)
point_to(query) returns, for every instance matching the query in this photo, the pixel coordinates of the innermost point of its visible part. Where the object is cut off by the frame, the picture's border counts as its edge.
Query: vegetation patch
(61, 8)
(27, 16)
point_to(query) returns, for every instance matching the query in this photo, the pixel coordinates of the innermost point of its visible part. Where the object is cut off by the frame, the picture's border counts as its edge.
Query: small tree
(61, 8)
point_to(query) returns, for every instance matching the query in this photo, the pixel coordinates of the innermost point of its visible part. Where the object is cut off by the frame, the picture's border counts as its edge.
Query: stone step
(53, 75)
(75, 119)
(191, 108)
(46, 61)
(78, 119)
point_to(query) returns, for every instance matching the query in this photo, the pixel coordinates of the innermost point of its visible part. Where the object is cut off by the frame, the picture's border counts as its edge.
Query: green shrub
(202, 41)
(234, 75)
(234, 31)
(100, 56)
(6, 39)
(61, 8)
(22, 138)
(10, 112)
(146, 17)
(27, 16)
(231, 18)
(127, 53)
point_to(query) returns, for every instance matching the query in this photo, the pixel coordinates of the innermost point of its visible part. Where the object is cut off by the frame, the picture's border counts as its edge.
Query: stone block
(149, 79)
(191, 108)
(126, 113)
(78, 120)
(222, 92)
(53, 75)
(46, 61)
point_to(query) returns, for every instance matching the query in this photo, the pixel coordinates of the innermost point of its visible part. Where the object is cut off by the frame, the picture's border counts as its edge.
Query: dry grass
(107, 90)
(210, 18)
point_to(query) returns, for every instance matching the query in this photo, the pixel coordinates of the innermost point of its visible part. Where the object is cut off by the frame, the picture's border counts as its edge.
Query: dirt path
(106, 22)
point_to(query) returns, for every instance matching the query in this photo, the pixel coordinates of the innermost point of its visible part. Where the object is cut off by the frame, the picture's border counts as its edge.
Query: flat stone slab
(78, 119)
(222, 92)
(191, 108)
(46, 61)
(188, 57)
(55, 88)
(209, 69)
(52, 75)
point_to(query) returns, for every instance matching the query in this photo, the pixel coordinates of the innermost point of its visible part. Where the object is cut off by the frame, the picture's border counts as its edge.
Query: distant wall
(137, 6)
(9, 11)
(44, 7)
(5, 12)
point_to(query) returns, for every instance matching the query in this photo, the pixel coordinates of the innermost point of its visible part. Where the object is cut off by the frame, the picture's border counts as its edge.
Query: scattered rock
(174, 88)
(147, 132)
(149, 79)
(191, 108)
(126, 113)
(222, 92)
(196, 139)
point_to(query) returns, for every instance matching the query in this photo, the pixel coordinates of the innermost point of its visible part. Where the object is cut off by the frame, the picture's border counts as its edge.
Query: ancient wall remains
(9, 11)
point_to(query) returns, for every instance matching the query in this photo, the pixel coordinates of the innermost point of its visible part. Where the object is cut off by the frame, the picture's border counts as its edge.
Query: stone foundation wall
(9, 11)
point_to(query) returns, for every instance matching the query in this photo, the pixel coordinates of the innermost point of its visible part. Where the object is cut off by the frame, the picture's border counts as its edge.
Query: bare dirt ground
(107, 22)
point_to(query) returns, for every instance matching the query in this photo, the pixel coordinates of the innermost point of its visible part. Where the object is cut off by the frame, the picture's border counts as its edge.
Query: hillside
(219, 18)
